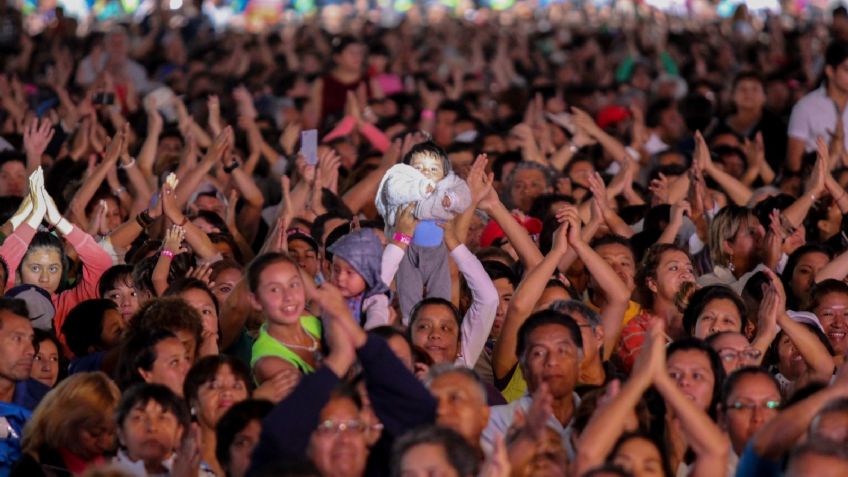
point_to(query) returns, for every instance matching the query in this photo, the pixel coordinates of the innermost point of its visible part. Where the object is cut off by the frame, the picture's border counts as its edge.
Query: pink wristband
(167, 253)
(402, 238)
(428, 114)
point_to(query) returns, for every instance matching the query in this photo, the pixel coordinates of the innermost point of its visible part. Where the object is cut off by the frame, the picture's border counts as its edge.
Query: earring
(730, 265)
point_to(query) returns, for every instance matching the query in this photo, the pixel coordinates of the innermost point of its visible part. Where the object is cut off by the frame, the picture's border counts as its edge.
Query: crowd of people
(534, 247)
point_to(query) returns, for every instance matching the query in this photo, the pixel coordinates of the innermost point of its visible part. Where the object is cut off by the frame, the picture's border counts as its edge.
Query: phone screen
(309, 146)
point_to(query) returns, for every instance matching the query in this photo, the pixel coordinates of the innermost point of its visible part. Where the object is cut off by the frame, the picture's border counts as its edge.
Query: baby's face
(430, 166)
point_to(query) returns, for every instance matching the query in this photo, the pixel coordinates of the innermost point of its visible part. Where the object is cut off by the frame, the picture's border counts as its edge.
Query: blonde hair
(77, 403)
(724, 227)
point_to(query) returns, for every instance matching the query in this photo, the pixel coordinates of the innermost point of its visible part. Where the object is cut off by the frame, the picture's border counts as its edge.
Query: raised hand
(213, 104)
(289, 137)
(816, 183)
(329, 163)
(560, 239)
(405, 222)
(702, 153)
(37, 136)
(219, 146)
(173, 241)
(540, 411)
(599, 190)
(203, 272)
(478, 181)
(659, 188)
(497, 464)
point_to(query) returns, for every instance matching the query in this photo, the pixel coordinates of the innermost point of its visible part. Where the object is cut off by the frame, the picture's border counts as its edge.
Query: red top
(334, 95)
(94, 259)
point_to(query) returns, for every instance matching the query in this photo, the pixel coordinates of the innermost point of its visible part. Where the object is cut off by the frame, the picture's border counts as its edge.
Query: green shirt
(266, 345)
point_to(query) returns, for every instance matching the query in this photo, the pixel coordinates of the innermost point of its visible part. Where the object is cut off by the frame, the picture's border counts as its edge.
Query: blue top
(29, 393)
(13, 417)
(428, 234)
(89, 362)
(752, 464)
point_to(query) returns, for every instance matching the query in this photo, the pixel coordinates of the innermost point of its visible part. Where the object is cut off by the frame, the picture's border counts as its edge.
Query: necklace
(311, 348)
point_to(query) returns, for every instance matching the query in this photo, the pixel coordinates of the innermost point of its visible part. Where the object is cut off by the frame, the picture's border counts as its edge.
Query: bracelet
(233, 165)
(428, 114)
(144, 219)
(403, 238)
(185, 220)
(127, 165)
(167, 253)
(120, 190)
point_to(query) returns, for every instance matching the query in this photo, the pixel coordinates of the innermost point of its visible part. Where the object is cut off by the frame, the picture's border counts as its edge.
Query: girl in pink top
(39, 257)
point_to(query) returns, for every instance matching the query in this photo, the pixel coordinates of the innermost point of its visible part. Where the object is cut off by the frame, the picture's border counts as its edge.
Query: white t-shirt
(814, 116)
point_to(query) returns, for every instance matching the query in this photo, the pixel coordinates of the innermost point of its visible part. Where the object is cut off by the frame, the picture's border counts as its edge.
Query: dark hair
(114, 276)
(234, 421)
(695, 344)
(613, 239)
(205, 370)
(185, 284)
(83, 326)
(542, 318)
(139, 352)
(772, 356)
(340, 43)
(826, 287)
(40, 336)
(172, 314)
(738, 375)
(428, 148)
(497, 270)
(141, 394)
(318, 225)
(748, 75)
(703, 297)
(541, 206)
(628, 436)
(606, 469)
(655, 110)
(648, 269)
(15, 306)
(386, 332)
(48, 240)
(260, 263)
(433, 300)
(836, 53)
(459, 453)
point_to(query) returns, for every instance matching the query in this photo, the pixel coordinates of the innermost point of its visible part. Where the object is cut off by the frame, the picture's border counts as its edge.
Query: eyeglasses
(334, 428)
(748, 354)
(750, 406)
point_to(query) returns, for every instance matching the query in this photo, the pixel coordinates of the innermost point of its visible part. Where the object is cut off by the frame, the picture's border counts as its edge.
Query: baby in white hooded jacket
(424, 178)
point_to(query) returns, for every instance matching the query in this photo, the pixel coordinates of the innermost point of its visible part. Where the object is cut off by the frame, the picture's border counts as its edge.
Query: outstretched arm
(523, 301)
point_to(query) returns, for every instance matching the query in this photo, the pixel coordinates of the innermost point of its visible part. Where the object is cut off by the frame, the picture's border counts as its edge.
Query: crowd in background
(524, 245)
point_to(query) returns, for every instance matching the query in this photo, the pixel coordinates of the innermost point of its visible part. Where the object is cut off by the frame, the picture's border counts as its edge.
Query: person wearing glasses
(734, 350)
(749, 398)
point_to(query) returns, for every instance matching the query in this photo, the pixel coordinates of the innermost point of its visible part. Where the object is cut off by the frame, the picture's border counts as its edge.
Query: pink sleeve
(376, 137)
(344, 128)
(14, 248)
(95, 261)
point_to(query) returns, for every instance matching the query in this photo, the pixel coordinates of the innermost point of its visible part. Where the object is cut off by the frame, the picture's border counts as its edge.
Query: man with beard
(549, 351)
(664, 280)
